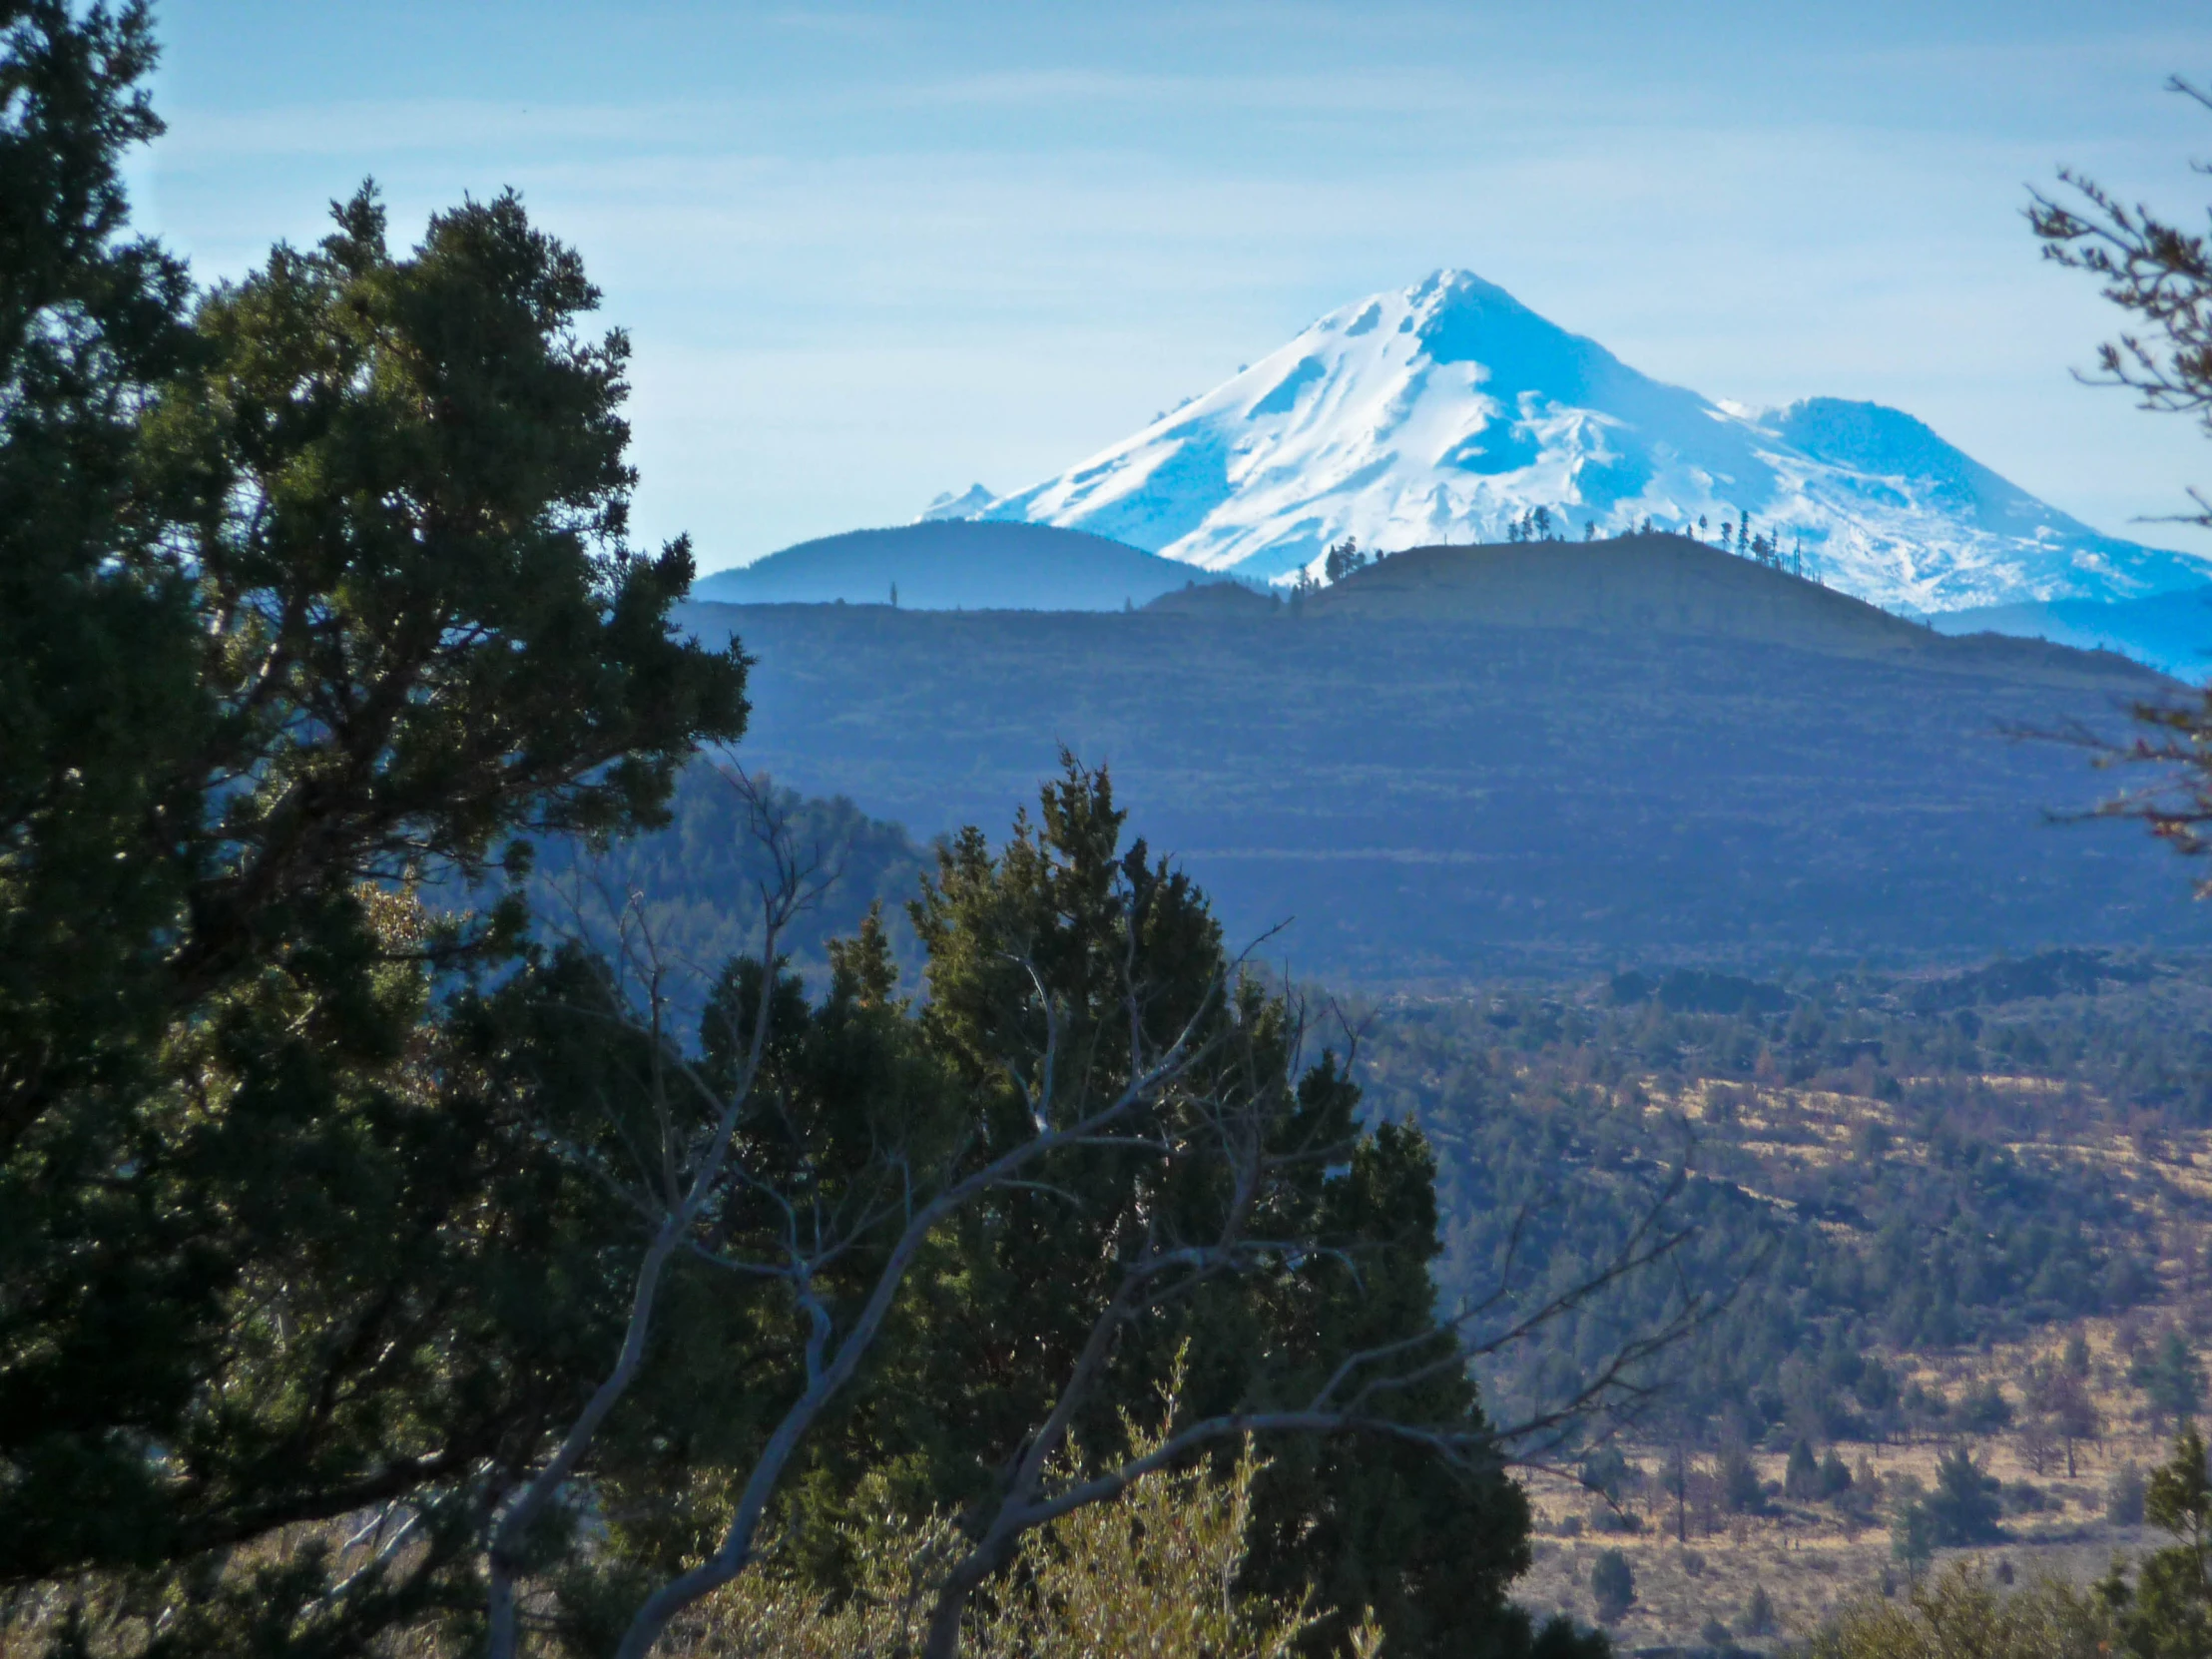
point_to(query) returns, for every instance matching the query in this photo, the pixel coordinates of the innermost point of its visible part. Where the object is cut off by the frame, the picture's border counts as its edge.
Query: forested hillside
(691, 890)
(1877, 1164)
(1937, 1216)
(1697, 757)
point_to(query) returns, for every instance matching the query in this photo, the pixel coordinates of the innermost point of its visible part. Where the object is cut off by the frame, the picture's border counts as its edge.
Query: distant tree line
(1540, 524)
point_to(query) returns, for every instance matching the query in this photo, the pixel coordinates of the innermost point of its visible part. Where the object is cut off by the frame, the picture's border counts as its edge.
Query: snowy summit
(1450, 412)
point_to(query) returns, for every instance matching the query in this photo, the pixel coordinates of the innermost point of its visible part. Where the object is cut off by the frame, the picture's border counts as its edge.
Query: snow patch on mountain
(971, 503)
(1448, 412)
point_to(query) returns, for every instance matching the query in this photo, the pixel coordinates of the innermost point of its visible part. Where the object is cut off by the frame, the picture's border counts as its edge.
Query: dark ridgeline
(1471, 759)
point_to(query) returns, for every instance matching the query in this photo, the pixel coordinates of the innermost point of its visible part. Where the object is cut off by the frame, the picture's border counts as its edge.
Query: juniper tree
(317, 589)
(1109, 1162)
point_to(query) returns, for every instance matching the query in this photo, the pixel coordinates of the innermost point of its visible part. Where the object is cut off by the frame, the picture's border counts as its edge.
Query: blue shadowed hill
(956, 564)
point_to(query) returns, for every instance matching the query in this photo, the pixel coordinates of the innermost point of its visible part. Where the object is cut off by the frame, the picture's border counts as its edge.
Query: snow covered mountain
(1448, 412)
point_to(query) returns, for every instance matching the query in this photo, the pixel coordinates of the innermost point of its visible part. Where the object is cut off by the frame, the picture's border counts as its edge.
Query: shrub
(1151, 1576)
(1759, 1619)
(1959, 1615)
(1613, 1585)
(2123, 1498)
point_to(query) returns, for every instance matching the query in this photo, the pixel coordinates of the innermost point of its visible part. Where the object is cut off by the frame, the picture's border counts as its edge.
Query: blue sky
(869, 253)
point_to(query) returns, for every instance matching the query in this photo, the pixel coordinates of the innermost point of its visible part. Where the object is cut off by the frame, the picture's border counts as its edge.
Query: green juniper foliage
(2167, 1612)
(1964, 1507)
(2170, 1377)
(994, 1315)
(318, 587)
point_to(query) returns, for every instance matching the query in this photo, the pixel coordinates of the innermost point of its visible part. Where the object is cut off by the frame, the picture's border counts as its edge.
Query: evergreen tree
(1964, 1508)
(1364, 1523)
(327, 589)
(1801, 1477)
(1912, 1535)
(990, 1322)
(2170, 1377)
(1612, 1587)
(2167, 1612)
(1836, 1477)
(1759, 1619)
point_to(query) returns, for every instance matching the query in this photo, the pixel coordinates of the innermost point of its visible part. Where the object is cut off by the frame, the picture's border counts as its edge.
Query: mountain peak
(971, 503)
(1448, 410)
